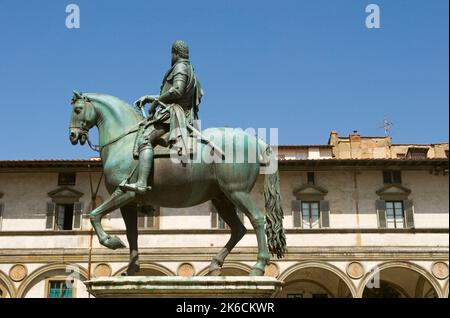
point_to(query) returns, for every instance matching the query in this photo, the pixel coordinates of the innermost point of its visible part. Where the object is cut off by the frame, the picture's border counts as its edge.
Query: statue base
(186, 287)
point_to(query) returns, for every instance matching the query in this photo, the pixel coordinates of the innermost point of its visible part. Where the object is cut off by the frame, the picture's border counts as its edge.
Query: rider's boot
(145, 166)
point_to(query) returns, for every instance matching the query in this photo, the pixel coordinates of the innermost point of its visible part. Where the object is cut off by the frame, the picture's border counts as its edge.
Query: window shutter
(50, 216)
(381, 210)
(297, 212)
(325, 213)
(150, 213)
(151, 220)
(155, 219)
(387, 177)
(295, 206)
(409, 213)
(77, 213)
(141, 220)
(213, 216)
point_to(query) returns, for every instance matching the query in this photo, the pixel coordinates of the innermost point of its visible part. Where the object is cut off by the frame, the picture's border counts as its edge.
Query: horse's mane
(113, 101)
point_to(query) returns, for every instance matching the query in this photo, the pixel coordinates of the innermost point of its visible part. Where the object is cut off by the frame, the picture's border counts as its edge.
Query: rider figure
(182, 92)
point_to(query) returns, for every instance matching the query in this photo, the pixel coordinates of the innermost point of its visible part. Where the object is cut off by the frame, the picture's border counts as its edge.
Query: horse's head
(82, 119)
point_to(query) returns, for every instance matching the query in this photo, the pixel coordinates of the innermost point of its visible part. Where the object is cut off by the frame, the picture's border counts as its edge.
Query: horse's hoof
(113, 242)
(133, 269)
(256, 272)
(214, 272)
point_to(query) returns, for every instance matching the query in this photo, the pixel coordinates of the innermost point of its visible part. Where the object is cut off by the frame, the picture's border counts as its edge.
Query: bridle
(98, 148)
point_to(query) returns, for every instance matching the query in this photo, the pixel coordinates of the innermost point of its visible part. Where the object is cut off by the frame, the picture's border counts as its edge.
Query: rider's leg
(145, 165)
(144, 168)
(146, 159)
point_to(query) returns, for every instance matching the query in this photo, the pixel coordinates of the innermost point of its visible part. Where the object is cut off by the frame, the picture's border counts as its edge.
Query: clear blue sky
(305, 67)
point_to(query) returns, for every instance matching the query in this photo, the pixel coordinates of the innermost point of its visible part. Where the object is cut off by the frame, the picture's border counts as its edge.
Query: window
(218, 223)
(319, 295)
(148, 217)
(294, 295)
(65, 178)
(401, 155)
(392, 177)
(221, 224)
(310, 215)
(64, 216)
(311, 178)
(417, 153)
(446, 153)
(394, 215)
(59, 289)
(2, 208)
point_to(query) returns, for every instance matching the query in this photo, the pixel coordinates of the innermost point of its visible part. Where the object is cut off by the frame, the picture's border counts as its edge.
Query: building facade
(363, 218)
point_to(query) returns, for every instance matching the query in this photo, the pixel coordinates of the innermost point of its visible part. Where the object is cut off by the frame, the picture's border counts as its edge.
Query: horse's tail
(276, 238)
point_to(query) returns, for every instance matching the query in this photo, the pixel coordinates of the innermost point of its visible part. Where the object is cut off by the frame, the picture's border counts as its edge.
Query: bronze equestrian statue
(126, 143)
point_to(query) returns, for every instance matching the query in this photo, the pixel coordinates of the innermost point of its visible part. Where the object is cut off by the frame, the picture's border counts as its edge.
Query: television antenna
(387, 126)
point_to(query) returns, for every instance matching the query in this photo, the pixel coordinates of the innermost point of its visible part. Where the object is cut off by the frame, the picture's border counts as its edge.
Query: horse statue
(227, 183)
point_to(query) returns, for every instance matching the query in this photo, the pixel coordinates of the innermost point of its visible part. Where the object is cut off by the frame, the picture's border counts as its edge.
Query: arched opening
(3, 292)
(314, 282)
(148, 270)
(7, 289)
(398, 282)
(232, 271)
(55, 281)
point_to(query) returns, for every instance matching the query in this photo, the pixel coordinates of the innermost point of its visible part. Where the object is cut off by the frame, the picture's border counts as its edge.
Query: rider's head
(179, 50)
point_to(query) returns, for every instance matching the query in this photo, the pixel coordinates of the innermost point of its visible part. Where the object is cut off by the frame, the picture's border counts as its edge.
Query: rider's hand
(141, 101)
(144, 100)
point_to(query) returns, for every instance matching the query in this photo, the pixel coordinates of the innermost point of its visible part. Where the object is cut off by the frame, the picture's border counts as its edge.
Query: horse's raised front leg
(243, 201)
(227, 212)
(129, 215)
(117, 200)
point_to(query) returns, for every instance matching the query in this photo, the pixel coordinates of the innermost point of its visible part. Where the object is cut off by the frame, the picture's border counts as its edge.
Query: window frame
(67, 183)
(147, 218)
(56, 216)
(393, 202)
(220, 223)
(57, 279)
(310, 178)
(394, 176)
(319, 220)
(295, 295)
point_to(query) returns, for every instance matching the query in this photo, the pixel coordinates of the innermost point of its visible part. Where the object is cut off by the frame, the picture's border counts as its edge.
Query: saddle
(163, 148)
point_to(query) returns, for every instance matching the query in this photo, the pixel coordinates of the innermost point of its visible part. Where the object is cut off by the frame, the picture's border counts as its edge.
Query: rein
(99, 148)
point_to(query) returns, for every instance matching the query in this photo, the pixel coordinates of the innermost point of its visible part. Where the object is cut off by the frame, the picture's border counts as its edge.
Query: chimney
(355, 136)
(333, 139)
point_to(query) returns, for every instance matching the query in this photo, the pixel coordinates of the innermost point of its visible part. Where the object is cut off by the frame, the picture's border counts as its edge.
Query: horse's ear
(76, 95)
